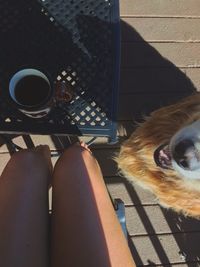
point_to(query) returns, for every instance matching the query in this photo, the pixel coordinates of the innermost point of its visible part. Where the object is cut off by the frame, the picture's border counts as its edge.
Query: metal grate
(74, 41)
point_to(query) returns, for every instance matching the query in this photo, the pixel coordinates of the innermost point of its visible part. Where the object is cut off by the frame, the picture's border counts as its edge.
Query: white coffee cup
(32, 92)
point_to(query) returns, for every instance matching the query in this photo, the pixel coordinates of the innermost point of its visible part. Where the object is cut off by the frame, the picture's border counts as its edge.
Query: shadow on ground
(148, 80)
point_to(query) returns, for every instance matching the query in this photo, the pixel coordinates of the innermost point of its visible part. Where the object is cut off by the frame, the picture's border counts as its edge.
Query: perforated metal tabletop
(72, 40)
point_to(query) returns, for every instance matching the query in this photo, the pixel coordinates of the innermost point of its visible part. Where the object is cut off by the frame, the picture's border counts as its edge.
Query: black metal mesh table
(72, 40)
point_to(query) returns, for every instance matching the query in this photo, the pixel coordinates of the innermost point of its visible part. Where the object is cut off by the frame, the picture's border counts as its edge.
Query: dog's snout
(184, 152)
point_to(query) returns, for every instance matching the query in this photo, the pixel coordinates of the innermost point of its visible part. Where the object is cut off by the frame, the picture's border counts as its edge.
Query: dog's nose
(184, 152)
(183, 146)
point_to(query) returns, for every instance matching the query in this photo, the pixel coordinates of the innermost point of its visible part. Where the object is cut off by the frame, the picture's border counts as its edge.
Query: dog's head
(163, 155)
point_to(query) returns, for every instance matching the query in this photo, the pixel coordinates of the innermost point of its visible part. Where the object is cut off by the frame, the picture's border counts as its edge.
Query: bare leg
(85, 229)
(24, 209)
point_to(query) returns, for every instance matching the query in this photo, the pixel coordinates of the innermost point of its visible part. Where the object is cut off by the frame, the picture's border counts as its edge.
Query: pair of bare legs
(84, 230)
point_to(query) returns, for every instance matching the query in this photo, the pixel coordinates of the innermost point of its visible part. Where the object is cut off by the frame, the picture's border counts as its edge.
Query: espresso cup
(32, 92)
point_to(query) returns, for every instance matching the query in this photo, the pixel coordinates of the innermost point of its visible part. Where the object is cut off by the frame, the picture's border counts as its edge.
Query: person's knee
(75, 155)
(28, 158)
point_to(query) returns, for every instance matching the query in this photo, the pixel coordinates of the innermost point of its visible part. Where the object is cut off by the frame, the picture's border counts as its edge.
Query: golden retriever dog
(163, 155)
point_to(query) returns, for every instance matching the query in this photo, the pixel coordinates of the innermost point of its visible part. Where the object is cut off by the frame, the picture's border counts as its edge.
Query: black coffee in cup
(32, 91)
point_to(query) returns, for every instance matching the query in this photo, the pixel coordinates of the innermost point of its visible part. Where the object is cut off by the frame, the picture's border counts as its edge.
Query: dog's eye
(183, 163)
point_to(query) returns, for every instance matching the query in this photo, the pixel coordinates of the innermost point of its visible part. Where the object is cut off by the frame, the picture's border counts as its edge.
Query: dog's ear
(182, 109)
(180, 200)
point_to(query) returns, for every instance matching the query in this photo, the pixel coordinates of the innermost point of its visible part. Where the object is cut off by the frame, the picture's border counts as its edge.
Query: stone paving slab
(151, 220)
(160, 55)
(161, 8)
(160, 79)
(166, 249)
(162, 29)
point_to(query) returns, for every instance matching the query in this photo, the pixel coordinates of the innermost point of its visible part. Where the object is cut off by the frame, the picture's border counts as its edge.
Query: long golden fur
(137, 163)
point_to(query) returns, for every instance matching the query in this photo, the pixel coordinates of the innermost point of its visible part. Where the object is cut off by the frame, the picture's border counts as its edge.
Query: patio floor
(160, 63)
